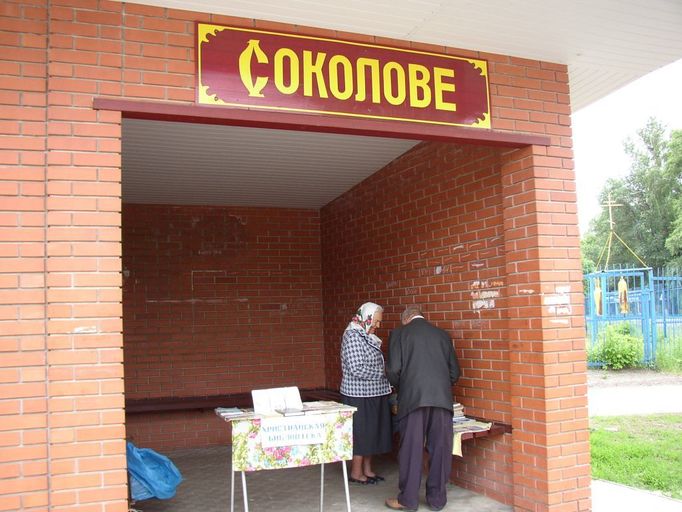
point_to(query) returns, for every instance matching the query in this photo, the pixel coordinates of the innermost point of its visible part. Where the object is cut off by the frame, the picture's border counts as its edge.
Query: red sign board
(296, 73)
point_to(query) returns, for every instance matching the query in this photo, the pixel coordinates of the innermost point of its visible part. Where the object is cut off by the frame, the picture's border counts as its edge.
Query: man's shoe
(435, 509)
(394, 504)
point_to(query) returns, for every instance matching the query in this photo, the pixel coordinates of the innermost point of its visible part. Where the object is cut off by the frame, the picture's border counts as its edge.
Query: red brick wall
(486, 239)
(219, 300)
(23, 343)
(428, 229)
(61, 374)
(167, 431)
(550, 450)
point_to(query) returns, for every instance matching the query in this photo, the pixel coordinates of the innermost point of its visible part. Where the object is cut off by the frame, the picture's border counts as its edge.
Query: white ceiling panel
(188, 163)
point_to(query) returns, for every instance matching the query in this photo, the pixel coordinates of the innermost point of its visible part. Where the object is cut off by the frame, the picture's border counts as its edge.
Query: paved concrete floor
(206, 488)
(206, 471)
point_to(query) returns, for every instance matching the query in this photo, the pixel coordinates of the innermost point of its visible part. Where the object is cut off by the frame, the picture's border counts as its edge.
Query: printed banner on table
(298, 73)
(293, 431)
(249, 453)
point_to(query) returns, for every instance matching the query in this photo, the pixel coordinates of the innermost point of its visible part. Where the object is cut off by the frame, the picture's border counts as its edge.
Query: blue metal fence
(668, 294)
(623, 296)
(648, 302)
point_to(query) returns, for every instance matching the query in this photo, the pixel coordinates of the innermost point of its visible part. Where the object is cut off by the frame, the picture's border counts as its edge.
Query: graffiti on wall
(559, 302)
(483, 293)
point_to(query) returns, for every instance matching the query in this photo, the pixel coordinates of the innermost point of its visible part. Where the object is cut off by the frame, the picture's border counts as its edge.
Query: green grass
(669, 355)
(640, 451)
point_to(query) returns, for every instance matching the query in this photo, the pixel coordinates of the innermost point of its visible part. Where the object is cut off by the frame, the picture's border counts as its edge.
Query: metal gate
(622, 296)
(668, 294)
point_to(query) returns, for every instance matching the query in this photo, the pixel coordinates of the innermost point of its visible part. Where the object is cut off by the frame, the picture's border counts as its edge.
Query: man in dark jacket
(423, 367)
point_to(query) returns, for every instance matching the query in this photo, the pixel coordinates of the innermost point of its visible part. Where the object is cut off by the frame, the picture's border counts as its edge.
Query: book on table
(322, 407)
(233, 413)
(317, 407)
(291, 411)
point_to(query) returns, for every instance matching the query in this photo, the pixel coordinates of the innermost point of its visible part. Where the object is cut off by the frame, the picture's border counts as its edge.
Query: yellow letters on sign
(391, 83)
(245, 57)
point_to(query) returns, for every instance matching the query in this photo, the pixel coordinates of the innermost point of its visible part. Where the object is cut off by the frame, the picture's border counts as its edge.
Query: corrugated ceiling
(183, 163)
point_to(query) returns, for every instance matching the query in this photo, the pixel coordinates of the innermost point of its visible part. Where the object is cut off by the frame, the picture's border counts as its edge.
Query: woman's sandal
(361, 482)
(376, 478)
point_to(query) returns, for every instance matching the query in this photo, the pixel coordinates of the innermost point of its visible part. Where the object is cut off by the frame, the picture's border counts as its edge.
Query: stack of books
(319, 407)
(457, 411)
(230, 412)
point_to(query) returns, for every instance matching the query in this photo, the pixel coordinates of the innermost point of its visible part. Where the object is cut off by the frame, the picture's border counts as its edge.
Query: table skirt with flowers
(248, 453)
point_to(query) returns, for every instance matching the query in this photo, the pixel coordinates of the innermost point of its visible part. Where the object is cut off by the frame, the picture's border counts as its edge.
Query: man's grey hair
(410, 311)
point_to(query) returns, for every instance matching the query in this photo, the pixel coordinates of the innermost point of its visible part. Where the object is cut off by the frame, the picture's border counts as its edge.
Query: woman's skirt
(371, 424)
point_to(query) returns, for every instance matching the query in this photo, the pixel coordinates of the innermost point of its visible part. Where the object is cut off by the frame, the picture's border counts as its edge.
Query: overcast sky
(600, 129)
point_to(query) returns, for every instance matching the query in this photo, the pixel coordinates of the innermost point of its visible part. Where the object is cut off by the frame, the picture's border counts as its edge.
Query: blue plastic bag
(152, 475)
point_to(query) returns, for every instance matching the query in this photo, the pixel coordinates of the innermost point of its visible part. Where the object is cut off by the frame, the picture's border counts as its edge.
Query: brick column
(23, 439)
(551, 457)
(85, 355)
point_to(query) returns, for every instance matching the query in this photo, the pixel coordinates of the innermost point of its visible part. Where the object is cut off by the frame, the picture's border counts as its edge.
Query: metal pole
(232, 489)
(345, 484)
(654, 321)
(246, 498)
(321, 487)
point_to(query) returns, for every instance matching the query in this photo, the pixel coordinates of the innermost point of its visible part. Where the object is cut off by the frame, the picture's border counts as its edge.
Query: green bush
(593, 352)
(669, 355)
(617, 348)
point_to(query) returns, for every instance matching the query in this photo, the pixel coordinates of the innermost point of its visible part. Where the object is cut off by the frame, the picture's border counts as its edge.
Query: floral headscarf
(364, 316)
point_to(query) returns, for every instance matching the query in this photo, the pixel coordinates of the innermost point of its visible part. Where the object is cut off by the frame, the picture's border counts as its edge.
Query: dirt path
(633, 377)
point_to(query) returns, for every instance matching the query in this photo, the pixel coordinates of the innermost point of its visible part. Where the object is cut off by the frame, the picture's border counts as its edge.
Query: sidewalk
(608, 497)
(645, 396)
(630, 400)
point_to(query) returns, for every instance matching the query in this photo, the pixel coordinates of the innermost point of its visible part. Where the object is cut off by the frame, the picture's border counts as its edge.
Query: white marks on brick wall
(483, 293)
(440, 270)
(86, 329)
(559, 302)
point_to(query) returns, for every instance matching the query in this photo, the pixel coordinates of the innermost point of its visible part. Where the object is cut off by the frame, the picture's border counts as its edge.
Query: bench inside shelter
(243, 400)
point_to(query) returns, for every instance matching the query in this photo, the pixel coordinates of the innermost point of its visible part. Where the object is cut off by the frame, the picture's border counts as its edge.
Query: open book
(286, 401)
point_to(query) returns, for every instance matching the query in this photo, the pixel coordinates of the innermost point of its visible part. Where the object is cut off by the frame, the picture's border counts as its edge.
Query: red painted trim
(162, 111)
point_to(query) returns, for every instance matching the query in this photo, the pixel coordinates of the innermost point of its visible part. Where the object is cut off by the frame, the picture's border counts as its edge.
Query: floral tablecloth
(248, 454)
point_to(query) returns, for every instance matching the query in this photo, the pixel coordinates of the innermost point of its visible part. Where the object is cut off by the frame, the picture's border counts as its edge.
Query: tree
(649, 218)
(674, 240)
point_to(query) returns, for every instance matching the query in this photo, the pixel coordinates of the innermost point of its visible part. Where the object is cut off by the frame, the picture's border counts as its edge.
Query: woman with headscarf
(364, 385)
